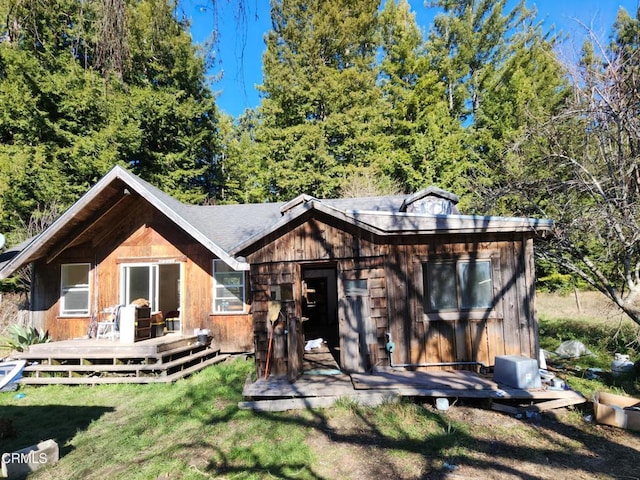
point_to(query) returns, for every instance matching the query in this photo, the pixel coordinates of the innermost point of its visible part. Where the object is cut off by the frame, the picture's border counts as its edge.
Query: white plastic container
(517, 371)
(442, 404)
(621, 365)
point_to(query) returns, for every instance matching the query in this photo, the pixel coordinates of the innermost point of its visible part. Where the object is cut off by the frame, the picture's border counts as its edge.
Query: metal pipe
(390, 347)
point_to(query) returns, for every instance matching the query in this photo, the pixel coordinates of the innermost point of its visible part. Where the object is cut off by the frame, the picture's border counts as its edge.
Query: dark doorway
(320, 307)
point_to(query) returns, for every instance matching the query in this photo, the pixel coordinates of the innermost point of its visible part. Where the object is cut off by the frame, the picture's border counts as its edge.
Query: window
(356, 288)
(461, 285)
(228, 288)
(74, 289)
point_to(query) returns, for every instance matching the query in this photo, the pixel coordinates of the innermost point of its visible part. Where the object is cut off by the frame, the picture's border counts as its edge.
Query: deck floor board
(323, 382)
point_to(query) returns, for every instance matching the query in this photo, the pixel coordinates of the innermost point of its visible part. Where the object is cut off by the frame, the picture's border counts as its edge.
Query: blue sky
(240, 48)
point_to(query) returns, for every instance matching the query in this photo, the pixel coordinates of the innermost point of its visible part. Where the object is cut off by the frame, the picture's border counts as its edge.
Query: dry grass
(13, 309)
(580, 306)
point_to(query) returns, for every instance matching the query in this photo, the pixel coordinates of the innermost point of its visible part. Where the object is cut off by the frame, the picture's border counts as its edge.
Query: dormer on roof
(431, 201)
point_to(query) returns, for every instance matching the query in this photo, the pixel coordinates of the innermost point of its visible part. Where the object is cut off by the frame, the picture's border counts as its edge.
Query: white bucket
(442, 404)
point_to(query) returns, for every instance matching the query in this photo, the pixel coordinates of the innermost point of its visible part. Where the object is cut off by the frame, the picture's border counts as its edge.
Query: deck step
(93, 366)
(113, 379)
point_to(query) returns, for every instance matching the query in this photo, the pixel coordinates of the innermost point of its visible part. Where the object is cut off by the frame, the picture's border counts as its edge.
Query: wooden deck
(97, 361)
(323, 384)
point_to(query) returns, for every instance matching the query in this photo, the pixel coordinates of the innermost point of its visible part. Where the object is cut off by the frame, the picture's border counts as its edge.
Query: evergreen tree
(500, 72)
(426, 142)
(321, 111)
(239, 174)
(75, 103)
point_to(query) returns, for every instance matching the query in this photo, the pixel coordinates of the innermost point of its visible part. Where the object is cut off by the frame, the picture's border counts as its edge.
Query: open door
(357, 331)
(158, 283)
(320, 307)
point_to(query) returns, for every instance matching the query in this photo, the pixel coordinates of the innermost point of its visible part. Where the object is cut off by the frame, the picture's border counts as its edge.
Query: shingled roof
(228, 230)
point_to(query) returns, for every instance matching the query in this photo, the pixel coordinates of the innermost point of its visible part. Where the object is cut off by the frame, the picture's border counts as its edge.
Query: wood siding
(394, 271)
(136, 233)
(233, 333)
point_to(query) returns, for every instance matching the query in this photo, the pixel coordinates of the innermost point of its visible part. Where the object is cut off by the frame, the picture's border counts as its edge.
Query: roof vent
(291, 204)
(431, 201)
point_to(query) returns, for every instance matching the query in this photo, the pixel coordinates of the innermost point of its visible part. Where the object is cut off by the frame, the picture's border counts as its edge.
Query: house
(400, 280)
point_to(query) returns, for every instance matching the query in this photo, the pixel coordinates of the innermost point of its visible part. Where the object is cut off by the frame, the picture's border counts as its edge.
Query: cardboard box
(616, 410)
(517, 371)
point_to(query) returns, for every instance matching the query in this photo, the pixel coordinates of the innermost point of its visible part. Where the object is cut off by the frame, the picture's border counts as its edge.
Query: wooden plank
(305, 386)
(87, 350)
(195, 368)
(501, 407)
(447, 341)
(541, 406)
(116, 380)
(478, 342)
(140, 367)
(487, 394)
(372, 399)
(295, 347)
(558, 403)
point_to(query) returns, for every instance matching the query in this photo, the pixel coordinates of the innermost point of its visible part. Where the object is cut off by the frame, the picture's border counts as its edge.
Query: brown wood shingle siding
(136, 232)
(393, 269)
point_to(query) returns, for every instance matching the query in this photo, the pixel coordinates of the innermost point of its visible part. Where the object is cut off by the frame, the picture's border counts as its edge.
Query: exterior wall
(509, 328)
(233, 333)
(45, 297)
(395, 291)
(141, 235)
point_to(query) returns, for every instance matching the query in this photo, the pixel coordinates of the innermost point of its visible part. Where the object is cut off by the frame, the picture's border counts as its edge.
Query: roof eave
(30, 252)
(460, 224)
(180, 221)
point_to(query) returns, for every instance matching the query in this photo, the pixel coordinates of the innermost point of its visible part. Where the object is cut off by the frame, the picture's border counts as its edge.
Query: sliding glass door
(158, 283)
(140, 281)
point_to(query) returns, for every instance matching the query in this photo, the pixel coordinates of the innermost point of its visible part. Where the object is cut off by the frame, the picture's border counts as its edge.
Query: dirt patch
(472, 441)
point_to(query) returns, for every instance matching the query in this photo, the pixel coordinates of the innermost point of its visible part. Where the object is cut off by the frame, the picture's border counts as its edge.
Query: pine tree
(426, 142)
(321, 112)
(500, 73)
(75, 103)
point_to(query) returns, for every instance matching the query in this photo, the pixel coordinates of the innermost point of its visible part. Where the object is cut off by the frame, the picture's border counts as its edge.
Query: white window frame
(220, 305)
(75, 288)
(125, 275)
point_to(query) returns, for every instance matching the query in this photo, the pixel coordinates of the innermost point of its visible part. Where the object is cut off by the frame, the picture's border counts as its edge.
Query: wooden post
(279, 349)
(373, 355)
(295, 344)
(578, 304)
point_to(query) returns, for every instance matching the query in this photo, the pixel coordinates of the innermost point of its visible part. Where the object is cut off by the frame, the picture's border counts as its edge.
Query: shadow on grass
(32, 424)
(196, 430)
(245, 444)
(451, 445)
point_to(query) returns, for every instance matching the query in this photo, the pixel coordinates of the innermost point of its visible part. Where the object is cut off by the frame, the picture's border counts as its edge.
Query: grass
(601, 329)
(193, 429)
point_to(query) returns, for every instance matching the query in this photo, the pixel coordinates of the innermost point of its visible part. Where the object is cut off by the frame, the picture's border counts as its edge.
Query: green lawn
(193, 429)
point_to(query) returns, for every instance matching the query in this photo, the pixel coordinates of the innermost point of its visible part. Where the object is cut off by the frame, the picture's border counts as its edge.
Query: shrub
(555, 282)
(21, 337)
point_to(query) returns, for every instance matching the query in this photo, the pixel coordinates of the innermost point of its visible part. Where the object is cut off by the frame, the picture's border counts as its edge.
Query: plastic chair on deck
(110, 327)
